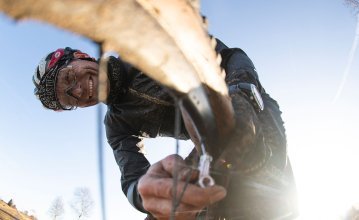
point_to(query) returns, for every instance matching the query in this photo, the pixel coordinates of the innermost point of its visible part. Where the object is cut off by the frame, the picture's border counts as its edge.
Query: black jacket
(140, 108)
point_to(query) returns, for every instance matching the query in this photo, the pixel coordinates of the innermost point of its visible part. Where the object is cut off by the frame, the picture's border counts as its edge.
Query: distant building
(8, 211)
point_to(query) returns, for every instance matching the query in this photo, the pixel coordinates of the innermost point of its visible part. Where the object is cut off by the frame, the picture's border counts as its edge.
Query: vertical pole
(100, 152)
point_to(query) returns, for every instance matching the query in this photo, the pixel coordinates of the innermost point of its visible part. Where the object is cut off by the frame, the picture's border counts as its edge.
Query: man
(139, 107)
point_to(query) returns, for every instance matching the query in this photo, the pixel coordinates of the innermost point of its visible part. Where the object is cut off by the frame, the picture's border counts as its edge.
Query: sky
(301, 51)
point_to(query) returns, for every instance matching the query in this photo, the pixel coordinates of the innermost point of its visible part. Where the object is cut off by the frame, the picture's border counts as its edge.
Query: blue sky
(300, 50)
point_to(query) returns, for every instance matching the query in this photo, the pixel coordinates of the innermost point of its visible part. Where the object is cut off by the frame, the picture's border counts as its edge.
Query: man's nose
(76, 90)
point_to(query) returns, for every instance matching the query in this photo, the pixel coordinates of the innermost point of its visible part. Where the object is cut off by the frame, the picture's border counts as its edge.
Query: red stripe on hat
(56, 56)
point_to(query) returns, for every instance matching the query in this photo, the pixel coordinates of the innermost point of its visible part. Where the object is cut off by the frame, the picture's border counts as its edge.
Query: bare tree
(57, 208)
(354, 4)
(82, 203)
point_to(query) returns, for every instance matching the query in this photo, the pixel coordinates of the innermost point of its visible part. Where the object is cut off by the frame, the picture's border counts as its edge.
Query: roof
(10, 213)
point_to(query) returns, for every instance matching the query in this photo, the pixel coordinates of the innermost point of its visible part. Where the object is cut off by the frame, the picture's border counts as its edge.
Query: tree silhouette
(354, 4)
(57, 208)
(82, 203)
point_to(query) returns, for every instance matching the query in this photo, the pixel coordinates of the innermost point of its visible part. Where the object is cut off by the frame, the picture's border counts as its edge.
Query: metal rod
(100, 153)
(101, 161)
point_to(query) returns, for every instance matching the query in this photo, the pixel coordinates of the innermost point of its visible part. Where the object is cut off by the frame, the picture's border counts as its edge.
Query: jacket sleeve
(254, 126)
(127, 151)
(258, 150)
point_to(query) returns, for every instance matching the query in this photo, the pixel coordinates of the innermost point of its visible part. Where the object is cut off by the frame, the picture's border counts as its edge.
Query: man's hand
(156, 190)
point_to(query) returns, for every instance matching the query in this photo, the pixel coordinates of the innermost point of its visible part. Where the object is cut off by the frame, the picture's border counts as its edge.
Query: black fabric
(142, 108)
(137, 108)
(260, 179)
(118, 77)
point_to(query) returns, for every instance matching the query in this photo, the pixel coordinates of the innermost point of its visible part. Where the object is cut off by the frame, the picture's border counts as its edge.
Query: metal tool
(205, 180)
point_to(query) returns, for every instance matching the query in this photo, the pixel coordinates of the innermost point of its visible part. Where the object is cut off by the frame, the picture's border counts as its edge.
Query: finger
(163, 208)
(197, 196)
(155, 187)
(193, 194)
(157, 170)
(166, 167)
(173, 164)
(188, 174)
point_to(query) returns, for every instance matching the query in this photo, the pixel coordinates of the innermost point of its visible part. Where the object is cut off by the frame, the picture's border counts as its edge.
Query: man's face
(77, 84)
